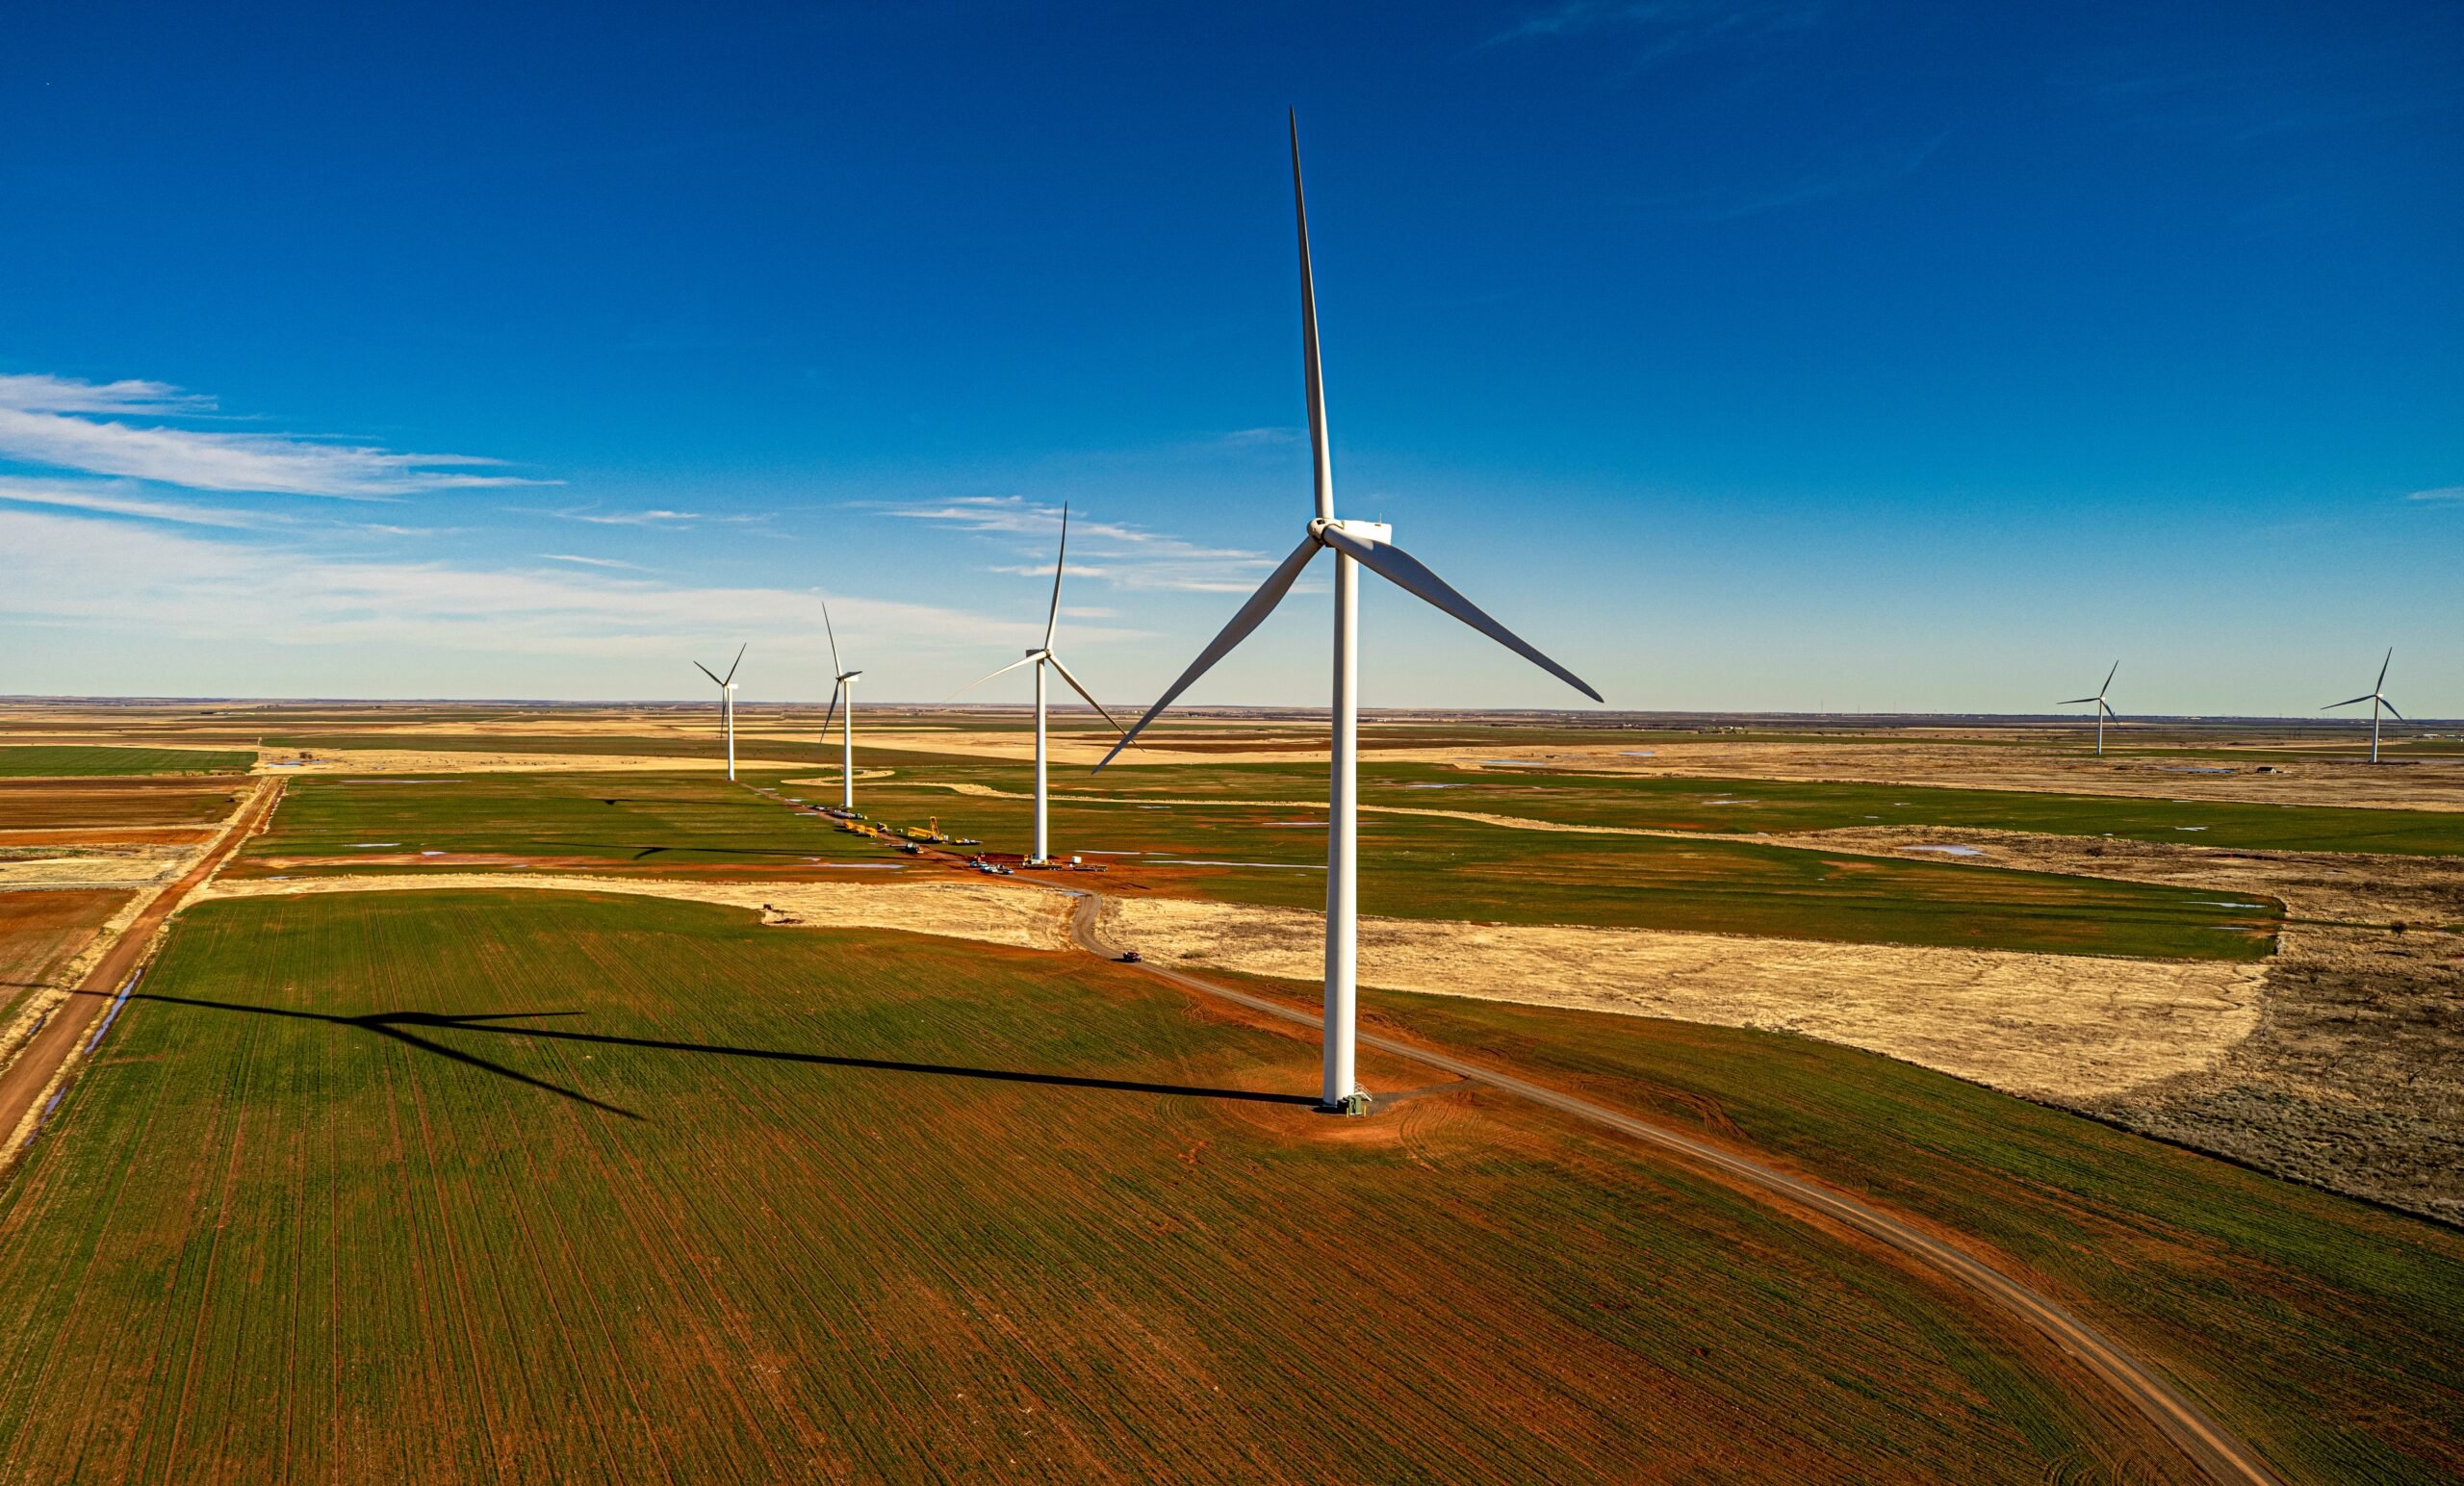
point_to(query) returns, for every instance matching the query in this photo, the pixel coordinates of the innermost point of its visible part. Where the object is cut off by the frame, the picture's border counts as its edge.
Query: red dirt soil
(26, 1079)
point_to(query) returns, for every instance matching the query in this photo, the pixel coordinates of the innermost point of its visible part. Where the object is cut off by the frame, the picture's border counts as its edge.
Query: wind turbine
(2102, 711)
(845, 688)
(1040, 657)
(1356, 544)
(726, 703)
(2377, 697)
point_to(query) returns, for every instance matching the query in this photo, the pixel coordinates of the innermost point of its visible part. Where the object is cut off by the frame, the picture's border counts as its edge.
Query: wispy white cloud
(1669, 28)
(1853, 174)
(37, 393)
(118, 497)
(162, 583)
(663, 520)
(2441, 493)
(45, 420)
(598, 518)
(1109, 551)
(1252, 437)
(592, 562)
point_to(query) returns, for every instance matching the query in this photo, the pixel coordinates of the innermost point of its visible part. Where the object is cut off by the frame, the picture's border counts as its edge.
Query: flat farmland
(1438, 867)
(701, 742)
(69, 760)
(1779, 806)
(41, 930)
(562, 1188)
(1745, 807)
(53, 804)
(607, 822)
(2325, 1331)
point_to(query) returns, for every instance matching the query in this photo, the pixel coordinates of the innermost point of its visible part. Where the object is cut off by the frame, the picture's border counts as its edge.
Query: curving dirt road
(2206, 1442)
(50, 1048)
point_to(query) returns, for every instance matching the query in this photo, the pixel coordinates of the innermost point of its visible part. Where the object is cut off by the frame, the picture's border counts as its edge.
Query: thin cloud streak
(1850, 177)
(114, 497)
(40, 424)
(2443, 493)
(660, 520)
(1125, 556)
(37, 393)
(162, 583)
(1672, 27)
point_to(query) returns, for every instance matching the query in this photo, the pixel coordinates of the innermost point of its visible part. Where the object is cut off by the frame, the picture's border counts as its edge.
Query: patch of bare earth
(2059, 1027)
(2354, 1077)
(961, 910)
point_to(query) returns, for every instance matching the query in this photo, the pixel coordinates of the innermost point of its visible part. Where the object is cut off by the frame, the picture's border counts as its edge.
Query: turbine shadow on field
(392, 1024)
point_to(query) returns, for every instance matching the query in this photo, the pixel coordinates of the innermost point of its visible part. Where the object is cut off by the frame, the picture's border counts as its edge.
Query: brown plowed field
(28, 805)
(40, 931)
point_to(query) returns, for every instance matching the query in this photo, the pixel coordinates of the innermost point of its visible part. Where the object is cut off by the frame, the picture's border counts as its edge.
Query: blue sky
(1742, 355)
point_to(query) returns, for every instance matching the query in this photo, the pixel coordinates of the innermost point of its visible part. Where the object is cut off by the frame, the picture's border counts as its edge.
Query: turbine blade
(1407, 572)
(1311, 375)
(1252, 614)
(1053, 617)
(2347, 701)
(1083, 691)
(2078, 702)
(987, 676)
(2391, 708)
(826, 717)
(2109, 679)
(836, 669)
(706, 671)
(2383, 669)
(731, 665)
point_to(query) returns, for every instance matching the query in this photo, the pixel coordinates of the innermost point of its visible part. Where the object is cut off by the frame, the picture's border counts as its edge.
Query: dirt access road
(48, 1051)
(2206, 1442)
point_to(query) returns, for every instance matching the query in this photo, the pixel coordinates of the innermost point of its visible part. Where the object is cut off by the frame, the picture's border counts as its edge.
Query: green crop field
(1422, 867)
(2328, 1332)
(1434, 867)
(63, 760)
(428, 1187)
(1745, 807)
(601, 820)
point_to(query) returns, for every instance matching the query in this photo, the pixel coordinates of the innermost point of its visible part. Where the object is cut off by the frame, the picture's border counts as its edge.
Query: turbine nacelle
(1374, 533)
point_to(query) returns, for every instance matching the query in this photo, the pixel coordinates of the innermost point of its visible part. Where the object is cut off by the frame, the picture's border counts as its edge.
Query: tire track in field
(2208, 1445)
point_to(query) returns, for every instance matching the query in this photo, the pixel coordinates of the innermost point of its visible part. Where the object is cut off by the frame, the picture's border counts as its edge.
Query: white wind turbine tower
(1040, 657)
(1356, 544)
(844, 690)
(726, 703)
(2377, 697)
(2102, 711)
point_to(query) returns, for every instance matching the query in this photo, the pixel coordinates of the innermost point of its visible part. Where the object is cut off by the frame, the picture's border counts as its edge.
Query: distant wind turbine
(1355, 544)
(844, 689)
(727, 701)
(2377, 697)
(2102, 711)
(1040, 657)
